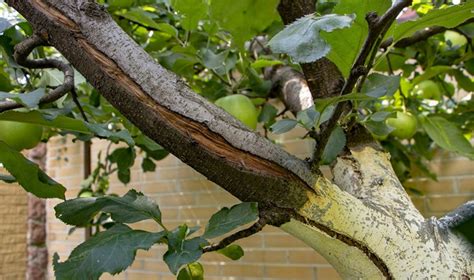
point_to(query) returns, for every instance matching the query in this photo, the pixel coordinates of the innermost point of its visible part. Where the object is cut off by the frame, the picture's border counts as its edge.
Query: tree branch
(458, 216)
(421, 36)
(161, 105)
(323, 77)
(255, 228)
(291, 87)
(378, 26)
(22, 50)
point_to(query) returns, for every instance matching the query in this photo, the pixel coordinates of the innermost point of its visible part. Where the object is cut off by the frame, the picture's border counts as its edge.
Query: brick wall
(185, 195)
(13, 228)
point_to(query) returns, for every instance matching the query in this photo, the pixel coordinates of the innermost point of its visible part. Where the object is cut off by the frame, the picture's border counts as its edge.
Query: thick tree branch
(378, 26)
(163, 107)
(22, 50)
(357, 238)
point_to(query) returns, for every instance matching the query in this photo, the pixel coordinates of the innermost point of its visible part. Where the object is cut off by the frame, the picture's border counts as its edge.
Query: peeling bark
(363, 222)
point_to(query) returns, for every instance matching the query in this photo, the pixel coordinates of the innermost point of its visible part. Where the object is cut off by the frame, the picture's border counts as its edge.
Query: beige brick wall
(13, 227)
(185, 195)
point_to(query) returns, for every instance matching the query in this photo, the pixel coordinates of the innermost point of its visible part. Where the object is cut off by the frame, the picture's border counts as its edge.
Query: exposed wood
(355, 224)
(160, 104)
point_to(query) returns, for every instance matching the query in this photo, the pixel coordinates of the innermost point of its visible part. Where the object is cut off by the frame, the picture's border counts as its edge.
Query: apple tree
(379, 87)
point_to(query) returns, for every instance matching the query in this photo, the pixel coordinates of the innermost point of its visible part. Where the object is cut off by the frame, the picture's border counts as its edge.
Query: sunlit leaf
(302, 39)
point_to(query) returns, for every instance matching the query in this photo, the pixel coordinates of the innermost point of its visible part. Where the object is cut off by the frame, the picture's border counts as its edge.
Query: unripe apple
(427, 90)
(241, 107)
(404, 125)
(19, 135)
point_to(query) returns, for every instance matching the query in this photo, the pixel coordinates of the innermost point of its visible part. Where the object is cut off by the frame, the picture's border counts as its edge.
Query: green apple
(19, 135)
(241, 107)
(427, 90)
(456, 39)
(404, 125)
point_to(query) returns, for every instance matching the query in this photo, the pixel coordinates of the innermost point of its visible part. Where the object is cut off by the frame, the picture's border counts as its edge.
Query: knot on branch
(360, 70)
(372, 19)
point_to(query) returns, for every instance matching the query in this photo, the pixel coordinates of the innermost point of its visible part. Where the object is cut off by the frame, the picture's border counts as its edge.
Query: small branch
(291, 87)
(421, 36)
(378, 26)
(255, 228)
(75, 99)
(458, 216)
(22, 50)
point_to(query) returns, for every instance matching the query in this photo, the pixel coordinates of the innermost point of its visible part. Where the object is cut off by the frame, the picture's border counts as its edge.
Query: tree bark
(363, 223)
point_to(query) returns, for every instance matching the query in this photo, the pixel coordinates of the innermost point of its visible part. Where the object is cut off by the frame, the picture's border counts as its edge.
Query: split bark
(363, 222)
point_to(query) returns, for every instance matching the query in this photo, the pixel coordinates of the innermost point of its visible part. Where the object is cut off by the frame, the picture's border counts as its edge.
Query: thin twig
(22, 50)
(421, 35)
(378, 26)
(78, 104)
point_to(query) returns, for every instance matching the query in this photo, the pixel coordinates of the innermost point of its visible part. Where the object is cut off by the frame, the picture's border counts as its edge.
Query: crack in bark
(212, 142)
(376, 260)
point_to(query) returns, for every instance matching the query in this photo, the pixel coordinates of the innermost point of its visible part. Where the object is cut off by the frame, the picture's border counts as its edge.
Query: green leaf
(381, 116)
(5, 81)
(244, 18)
(308, 117)
(302, 39)
(227, 219)
(192, 11)
(378, 128)
(233, 252)
(148, 165)
(36, 117)
(141, 17)
(29, 175)
(168, 29)
(268, 114)
(124, 158)
(103, 131)
(120, 4)
(336, 142)
(262, 63)
(110, 251)
(132, 207)
(193, 271)
(378, 85)
(464, 81)
(214, 61)
(431, 72)
(7, 179)
(449, 17)
(346, 43)
(29, 100)
(446, 135)
(283, 126)
(182, 251)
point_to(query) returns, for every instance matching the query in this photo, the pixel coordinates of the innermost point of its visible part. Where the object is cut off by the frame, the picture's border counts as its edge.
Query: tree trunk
(363, 223)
